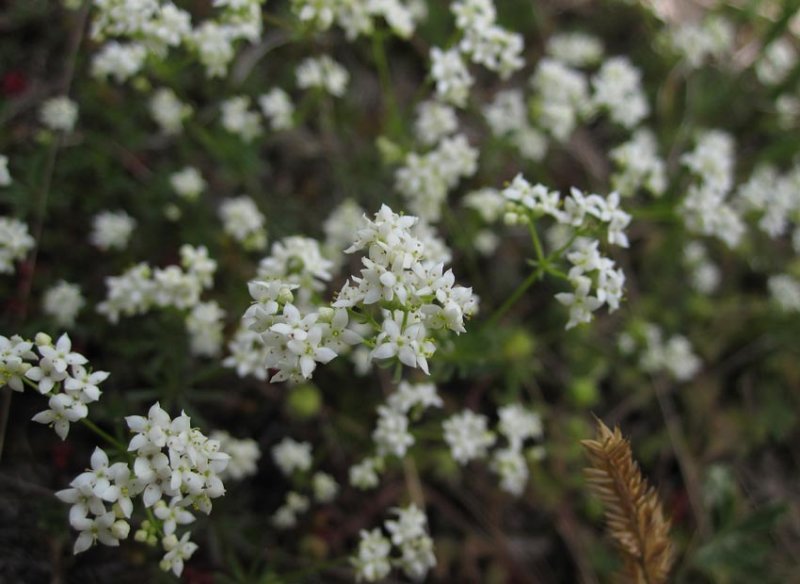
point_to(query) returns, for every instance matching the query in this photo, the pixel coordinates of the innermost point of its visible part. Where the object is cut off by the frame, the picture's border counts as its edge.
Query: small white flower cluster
(785, 292)
(705, 208)
(153, 27)
(118, 60)
(517, 424)
(704, 275)
(638, 165)
(141, 288)
(776, 198)
(112, 230)
(294, 457)
(777, 60)
(357, 18)
(187, 183)
(298, 261)
(5, 175)
(698, 42)
(618, 90)
(56, 372)
(392, 436)
(561, 97)
(59, 114)
(168, 111)
(576, 49)
(244, 455)
(674, 356)
(409, 534)
(590, 269)
(415, 296)
(204, 325)
(277, 107)
(434, 121)
(323, 73)
(239, 119)
(63, 301)
(425, 179)
(15, 243)
(242, 220)
(469, 438)
(507, 115)
(187, 473)
(484, 41)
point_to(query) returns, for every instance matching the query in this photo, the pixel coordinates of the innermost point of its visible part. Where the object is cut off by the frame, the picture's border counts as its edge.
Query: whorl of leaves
(634, 517)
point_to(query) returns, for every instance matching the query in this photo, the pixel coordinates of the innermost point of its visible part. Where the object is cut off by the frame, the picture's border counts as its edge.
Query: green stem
(379, 55)
(104, 435)
(521, 289)
(537, 244)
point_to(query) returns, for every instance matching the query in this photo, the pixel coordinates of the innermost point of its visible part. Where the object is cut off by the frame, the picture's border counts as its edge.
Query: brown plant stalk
(634, 515)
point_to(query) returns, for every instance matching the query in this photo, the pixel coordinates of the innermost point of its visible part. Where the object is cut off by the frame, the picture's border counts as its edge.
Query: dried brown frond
(634, 516)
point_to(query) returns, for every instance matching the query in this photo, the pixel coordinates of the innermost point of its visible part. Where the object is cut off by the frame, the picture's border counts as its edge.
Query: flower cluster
(244, 454)
(5, 175)
(673, 356)
(415, 297)
(63, 301)
(469, 438)
(59, 114)
(507, 116)
(323, 73)
(638, 165)
(357, 18)
(168, 111)
(112, 230)
(590, 271)
(705, 208)
(424, 180)
(57, 372)
(242, 220)
(175, 467)
(15, 243)
(292, 459)
(408, 533)
(145, 28)
(142, 288)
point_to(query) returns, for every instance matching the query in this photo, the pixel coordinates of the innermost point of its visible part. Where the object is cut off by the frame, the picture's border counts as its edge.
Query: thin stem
(379, 55)
(537, 244)
(511, 300)
(104, 435)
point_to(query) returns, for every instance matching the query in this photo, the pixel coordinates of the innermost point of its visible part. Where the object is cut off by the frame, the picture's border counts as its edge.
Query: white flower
(5, 176)
(617, 88)
(325, 487)
(323, 73)
(59, 114)
(117, 60)
(15, 243)
(291, 456)
(510, 464)
(777, 61)
(244, 455)
(453, 80)
(434, 121)
(372, 562)
(277, 107)
(391, 434)
(518, 424)
(112, 229)
(468, 436)
(177, 552)
(63, 301)
(243, 221)
(575, 48)
(785, 292)
(364, 475)
(204, 326)
(239, 119)
(168, 112)
(408, 397)
(188, 183)
(411, 524)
